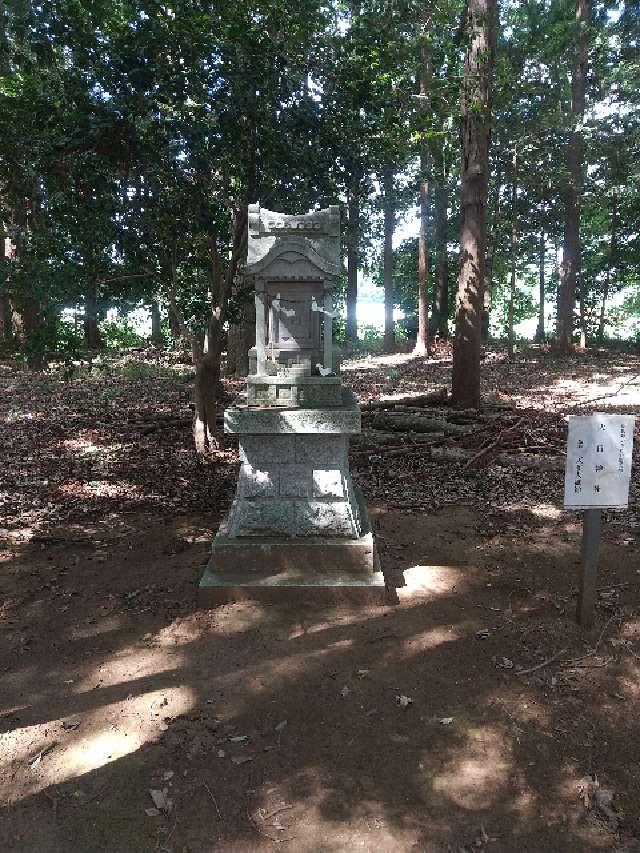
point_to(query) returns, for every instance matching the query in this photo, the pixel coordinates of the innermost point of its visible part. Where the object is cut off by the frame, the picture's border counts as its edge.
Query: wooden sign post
(597, 475)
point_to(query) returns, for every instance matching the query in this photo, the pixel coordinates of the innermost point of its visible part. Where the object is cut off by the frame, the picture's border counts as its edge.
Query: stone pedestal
(297, 524)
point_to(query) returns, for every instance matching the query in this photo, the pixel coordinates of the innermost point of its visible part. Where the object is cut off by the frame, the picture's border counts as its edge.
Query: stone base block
(292, 391)
(324, 571)
(315, 569)
(313, 556)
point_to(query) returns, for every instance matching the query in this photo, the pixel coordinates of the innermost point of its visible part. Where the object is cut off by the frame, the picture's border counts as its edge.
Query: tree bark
(241, 337)
(6, 326)
(207, 357)
(570, 266)
(425, 80)
(6, 330)
(513, 258)
(475, 136)
(156, 325)
(440, 316)
(91, 331)
(27, 321)
(389, 225)
(583, 320)
(542, 250)
(353, 239)
(493, 220)
(613, 247)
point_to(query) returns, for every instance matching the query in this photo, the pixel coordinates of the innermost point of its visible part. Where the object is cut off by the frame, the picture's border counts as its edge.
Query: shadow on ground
(282, 726)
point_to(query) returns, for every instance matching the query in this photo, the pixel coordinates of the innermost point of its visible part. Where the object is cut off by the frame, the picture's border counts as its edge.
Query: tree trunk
(208, 353)
(570, 266)
(513, 248)
(6, 326)
(540, 331)
(583, 320)
(610, 265)
(234, 334)
(425, 76)
(487, 297)
(156, 325)
(205, 398)
(27, 322)
(475, 134)
(91, 331)
(6, 330)
(353, 239)
(389, 225)
(174, 324)
(440, 317)
(240, 339)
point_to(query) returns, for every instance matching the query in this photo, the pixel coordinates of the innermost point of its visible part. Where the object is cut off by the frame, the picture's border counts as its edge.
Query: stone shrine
(297, 521)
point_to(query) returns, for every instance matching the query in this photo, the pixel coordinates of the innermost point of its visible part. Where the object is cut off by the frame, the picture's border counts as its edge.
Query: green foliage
(67, 339)
(131, 135)
(120, 335)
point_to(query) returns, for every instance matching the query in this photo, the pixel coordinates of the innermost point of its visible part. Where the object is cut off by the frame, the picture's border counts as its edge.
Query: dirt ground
(261, 728)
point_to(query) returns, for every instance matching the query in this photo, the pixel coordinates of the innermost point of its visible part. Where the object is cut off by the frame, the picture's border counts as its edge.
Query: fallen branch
(277, 811)
(631, 381)
(439, 396)
(261, 831)
(213, 799)
(485, 451)
(543, 664)
(594, 650)
(401, 422)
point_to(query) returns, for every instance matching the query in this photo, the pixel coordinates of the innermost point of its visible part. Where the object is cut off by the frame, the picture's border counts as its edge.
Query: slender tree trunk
(205, 398)
(353, 234)
(603, 311)
(513, 258)
(540, 331)
(6, 328)
(91, 331)
(583, 321)
(389, 225)
(440, 315)
(610, 265)
(27, 322)
(425, 77)
(156, 325)
(475, 135)
(422, 341)
(174, 325)
(208, 355)
(493, 219)
(247, 339)
(234, 333)
(240, 338)
(570, 266)
(353, 239)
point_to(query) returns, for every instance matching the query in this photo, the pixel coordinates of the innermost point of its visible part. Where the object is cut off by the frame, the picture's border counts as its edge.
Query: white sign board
(599, 449)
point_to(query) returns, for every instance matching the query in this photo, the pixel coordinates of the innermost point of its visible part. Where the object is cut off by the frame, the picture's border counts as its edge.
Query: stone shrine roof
(307, 244)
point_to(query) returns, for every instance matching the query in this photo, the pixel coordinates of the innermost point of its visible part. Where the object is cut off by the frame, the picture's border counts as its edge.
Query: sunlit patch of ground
(477, 772)
(39, 756)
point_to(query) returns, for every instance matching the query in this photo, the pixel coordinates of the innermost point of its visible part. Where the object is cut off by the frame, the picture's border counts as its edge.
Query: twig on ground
(484, 451)
(631, 381)
(260, 830)
(277, 811)
(594, 650)
(213, 799)
(543, 664)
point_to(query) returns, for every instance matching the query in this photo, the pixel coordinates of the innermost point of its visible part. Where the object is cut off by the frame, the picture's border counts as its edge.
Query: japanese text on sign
(599, 451)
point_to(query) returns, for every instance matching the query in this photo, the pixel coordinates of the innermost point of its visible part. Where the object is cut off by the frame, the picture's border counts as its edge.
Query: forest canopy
(136, 134)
